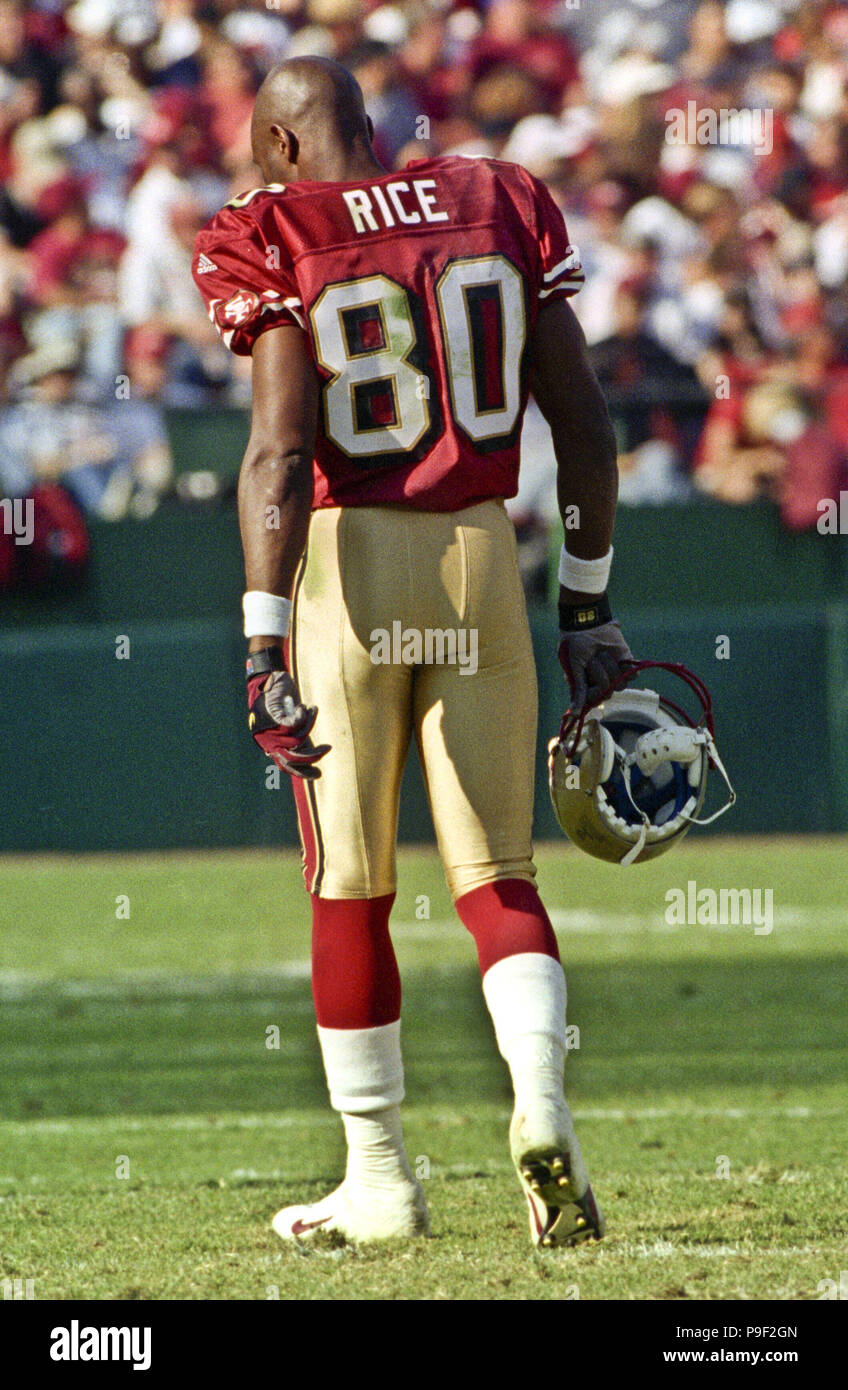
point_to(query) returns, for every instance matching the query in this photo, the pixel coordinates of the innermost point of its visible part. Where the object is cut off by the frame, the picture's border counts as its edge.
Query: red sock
(355, 979)
(506, 918)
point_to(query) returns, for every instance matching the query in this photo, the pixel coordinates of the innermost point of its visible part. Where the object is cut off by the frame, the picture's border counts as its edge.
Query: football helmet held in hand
(628, 777)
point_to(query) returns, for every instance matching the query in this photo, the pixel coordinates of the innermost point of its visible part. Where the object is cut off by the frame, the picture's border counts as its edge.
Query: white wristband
(586, 576)
(265, 615)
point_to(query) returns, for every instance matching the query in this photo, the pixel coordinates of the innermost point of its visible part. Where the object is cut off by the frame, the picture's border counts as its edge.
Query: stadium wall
(150, 750)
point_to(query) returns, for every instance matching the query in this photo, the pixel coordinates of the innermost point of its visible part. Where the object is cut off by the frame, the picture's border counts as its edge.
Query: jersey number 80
(377, 400)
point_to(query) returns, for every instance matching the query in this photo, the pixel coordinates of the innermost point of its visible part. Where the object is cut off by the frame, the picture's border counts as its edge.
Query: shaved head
(309, 122)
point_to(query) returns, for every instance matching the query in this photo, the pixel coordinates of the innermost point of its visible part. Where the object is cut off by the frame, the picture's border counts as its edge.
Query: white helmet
(628, 776)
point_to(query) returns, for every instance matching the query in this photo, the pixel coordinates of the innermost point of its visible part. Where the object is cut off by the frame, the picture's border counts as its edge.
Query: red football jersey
(419, 291)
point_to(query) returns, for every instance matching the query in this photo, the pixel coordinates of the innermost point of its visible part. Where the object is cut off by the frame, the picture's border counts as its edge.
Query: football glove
(281, 724)
(593, 660)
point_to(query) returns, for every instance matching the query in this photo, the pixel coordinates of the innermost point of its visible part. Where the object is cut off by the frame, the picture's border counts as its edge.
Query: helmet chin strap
(681, 745)
(717, 763)
(628, 761)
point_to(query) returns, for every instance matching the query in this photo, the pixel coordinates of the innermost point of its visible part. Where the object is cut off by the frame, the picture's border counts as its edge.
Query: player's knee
(355, 979)
(506, 917)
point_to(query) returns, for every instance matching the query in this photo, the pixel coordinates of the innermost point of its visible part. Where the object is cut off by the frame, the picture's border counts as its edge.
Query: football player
(396, 322)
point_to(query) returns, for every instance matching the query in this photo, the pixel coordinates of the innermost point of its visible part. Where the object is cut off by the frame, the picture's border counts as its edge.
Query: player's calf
(525, 992)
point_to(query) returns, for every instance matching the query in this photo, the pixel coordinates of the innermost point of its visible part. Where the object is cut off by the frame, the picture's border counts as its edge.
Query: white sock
(363, 1066)
(364, 1071)
(376, 1155)
(526, 998)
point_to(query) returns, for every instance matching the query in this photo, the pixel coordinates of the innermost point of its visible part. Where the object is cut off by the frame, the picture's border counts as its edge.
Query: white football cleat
(547, 1159)
(359, 1215)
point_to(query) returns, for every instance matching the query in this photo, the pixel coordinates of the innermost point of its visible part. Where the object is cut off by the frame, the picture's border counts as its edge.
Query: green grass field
(149, 1131)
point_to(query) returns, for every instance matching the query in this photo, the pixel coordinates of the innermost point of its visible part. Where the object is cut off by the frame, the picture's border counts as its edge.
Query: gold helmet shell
(628, 777)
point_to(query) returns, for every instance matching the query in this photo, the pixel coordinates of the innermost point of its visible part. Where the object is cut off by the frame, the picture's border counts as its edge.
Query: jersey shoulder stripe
(243, 199)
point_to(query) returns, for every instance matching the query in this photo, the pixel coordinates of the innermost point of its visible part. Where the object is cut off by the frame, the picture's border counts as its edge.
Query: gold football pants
(414, 622)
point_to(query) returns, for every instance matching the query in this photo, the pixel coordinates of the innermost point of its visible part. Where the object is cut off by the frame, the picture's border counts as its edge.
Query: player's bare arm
(570, 398)
(275, 482)
(592, 648)
(274, 501)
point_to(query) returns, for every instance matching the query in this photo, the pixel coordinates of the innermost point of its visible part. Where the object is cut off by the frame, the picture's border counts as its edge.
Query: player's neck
(362, 169)
(346, 166)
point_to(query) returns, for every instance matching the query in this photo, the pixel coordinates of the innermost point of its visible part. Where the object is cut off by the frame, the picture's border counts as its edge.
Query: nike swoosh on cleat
(299, 1227)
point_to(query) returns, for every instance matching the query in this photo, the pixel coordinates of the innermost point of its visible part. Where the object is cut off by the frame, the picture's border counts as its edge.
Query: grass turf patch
(162, 1093)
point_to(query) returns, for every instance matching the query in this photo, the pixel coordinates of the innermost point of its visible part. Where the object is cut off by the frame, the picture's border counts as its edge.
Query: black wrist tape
(581, 617)
(266, 659)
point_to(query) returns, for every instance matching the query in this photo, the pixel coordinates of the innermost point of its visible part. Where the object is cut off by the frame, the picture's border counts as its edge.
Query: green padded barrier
(707, 552)
(179, 564)
(186, 563)
(111, 754)
(836, 749)
(152, 752)
(214, 438)
(774, 697)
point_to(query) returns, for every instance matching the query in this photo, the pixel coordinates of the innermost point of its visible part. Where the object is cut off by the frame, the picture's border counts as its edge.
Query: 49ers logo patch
(240, 308)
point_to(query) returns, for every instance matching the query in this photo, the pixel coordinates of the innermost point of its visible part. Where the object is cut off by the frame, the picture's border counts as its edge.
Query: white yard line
(414, 1114)
(585, 921)
(16, 985)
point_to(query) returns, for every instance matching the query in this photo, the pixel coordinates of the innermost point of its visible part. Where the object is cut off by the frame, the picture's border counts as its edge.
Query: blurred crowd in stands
(716, 259)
